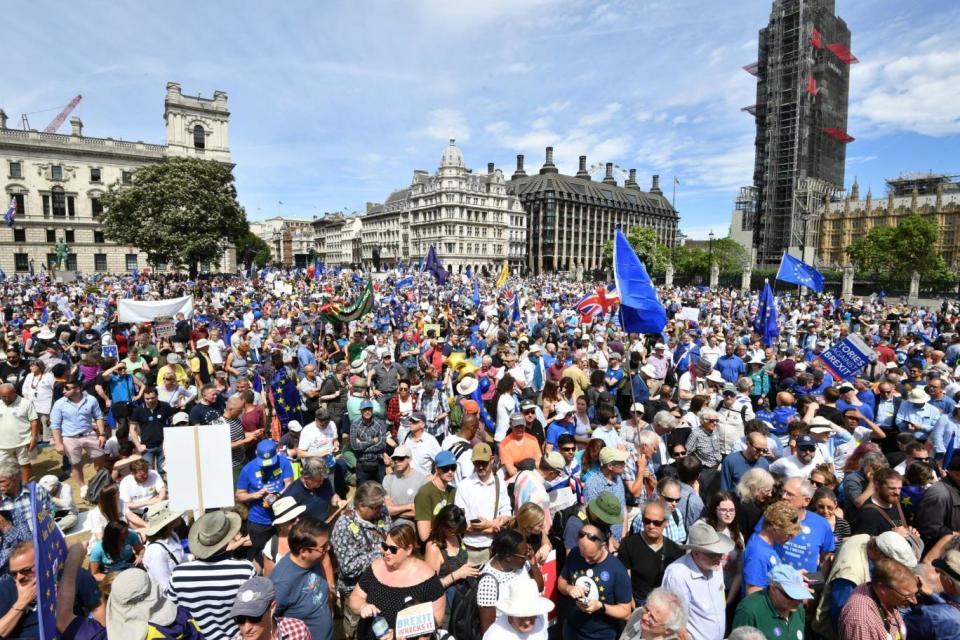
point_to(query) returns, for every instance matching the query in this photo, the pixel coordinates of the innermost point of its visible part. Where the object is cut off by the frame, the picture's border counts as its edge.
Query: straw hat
(286, 509)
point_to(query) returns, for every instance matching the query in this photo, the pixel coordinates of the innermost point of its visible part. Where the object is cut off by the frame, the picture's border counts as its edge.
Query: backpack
(100, 481)
(559, 525)
(464, 623)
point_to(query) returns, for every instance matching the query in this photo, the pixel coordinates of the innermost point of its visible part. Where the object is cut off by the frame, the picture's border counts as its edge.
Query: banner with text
(847, 358)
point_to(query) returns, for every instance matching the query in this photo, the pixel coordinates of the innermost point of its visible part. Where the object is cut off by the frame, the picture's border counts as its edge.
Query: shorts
(21, 454)
(74, 447)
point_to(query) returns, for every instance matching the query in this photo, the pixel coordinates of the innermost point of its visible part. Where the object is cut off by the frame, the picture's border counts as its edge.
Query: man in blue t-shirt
(730, 365)
(303, 587)
(261, 481)
(813, 547)
(599, 584)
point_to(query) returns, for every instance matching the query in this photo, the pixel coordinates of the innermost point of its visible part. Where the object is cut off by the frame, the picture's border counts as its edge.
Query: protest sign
(689, 313)
(847, 358)
(199, 467)
(150, 310)
(164, 327)
(415, 621)
(50, 552)
(110, 352)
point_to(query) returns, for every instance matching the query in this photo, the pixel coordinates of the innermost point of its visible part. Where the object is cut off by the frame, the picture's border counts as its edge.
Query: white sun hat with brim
(135, 602)
(521, 598)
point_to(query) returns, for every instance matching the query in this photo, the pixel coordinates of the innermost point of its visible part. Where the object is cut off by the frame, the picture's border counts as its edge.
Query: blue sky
(336, 103)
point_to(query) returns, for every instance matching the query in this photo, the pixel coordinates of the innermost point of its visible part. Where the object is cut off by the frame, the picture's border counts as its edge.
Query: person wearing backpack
(164, 550)
(512, 558)
(460, 444)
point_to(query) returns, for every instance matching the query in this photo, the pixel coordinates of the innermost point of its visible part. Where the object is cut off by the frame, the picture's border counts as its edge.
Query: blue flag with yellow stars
(765, 322)
(50, 553)
(286, 397)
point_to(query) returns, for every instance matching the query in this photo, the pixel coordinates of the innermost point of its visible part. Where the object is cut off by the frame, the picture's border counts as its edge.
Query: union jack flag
(597, 302)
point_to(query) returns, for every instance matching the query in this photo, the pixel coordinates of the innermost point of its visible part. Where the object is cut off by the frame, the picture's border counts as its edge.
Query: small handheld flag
(799, 273)
(11, 212)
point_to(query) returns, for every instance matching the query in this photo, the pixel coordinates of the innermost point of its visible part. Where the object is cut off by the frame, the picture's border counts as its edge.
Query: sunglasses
(807, 448)
(392, 549)
(762, 452)
(655, 523)
(529, 412)
(670, 500)
(254, 619)
(447, 468)
(481, 463)
(568, 448)
(591, 537)
(679, 454)
(25, 572)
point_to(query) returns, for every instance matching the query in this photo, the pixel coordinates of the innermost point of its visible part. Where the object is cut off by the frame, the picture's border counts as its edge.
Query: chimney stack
(519, 173)
(632, 180)
(3, 119)
(608, 178)
(76, 126)
(548, 166)
(490, 168)
(582, 172)
(655, 188)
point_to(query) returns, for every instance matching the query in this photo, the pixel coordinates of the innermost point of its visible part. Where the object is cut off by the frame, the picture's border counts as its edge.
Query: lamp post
(710, 235)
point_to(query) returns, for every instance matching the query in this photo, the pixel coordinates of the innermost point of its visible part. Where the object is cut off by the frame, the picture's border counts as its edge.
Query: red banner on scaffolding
(815, 38)
(811, 85)
(842, 53)
(839, 134)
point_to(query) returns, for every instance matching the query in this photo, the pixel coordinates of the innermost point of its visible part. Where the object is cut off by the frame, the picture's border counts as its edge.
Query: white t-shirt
(132, 491)
(316, 439)
(464, 461)
(216, 351)
(160, 558)
(423, 451)
(506, 406)
(791, 467)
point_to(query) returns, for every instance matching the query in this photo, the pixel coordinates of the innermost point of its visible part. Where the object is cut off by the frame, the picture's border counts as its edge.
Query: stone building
(569, 218)
(469, 217)
(56, 181)
(291, 240)
(931, 195)
(338, 239)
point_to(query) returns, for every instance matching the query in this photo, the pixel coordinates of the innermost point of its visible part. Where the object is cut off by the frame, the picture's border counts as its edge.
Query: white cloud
(601, 117)
(682, 118)
(702, 232)
(661, 117)
(554, 107)
(443, 124)
(517, 67)
(643, 115)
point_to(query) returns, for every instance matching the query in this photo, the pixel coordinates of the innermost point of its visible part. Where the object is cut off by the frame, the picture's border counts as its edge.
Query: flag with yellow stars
(51, 552)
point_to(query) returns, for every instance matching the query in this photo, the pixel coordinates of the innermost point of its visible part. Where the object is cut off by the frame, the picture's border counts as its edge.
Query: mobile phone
(475, 521)
(815, 578)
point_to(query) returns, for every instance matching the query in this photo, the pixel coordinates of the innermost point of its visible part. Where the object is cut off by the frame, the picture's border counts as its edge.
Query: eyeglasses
(651, 521)
(392, 549)
(727, 511)
(26, 572)
(254, 619)
(711, 420)
(912, 597)
(591, 537)
(763, 451)
(447, 468)
(671, 500)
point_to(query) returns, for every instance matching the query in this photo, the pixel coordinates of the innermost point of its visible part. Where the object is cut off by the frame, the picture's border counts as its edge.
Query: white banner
(147, 310)
(199, 467)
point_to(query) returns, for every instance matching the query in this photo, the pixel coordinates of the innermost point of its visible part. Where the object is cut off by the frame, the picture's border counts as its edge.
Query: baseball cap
(403, 451)
(481, 453)
(516, 421)
(609, 454)
(790, 580)
(181, 417)
(806, 441)
(417, 416)
(294, 426)
(555, 461)
(445, 459)
(366, 404)
(637, 407)
(253, 598)
(267, 453)
(895, 546)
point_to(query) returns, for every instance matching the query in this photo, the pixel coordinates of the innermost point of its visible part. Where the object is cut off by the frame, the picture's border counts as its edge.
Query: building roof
(567, 186)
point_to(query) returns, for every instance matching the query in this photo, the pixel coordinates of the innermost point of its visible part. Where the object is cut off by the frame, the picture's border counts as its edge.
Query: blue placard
(51, 552)
(110, 351)
(847, 358)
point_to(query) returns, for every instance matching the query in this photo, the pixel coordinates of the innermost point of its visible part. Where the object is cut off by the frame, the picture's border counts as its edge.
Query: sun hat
(606, 508)
(564, 408)
(481, 453)
(212, 532)
(286, 509)
(820, 424)
(649, 370)
(467, 386)
(715, 376)
(895, 546)
(701, 536)
(357, 367)
(610, 454)
(180, 417)
(160, 517)
(253, 598)
(918, 396)
(659, 346)
(949, 563)
(46, 334)
(790, 580)
(521, 598)
(267, 453)
(135, 601)
(756, 359)
(202, 343)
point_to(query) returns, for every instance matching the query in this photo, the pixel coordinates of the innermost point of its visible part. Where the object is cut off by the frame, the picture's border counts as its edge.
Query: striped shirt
(207, 589)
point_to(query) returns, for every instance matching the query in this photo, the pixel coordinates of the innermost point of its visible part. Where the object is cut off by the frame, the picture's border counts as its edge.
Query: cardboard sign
(199, 467)
(110, 352)
(847, 358)
(164, 328)
(415, 621)
(689, 313)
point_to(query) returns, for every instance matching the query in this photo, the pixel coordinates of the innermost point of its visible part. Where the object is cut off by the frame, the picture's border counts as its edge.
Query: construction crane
(55, 124)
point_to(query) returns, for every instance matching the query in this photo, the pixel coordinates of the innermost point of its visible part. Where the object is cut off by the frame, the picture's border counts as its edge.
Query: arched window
(199, 137)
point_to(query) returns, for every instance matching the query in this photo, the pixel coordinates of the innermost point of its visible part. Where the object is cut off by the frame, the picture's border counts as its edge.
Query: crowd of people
(480, 462)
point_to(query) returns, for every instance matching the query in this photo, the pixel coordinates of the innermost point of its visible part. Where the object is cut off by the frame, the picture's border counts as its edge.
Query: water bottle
(380, 627)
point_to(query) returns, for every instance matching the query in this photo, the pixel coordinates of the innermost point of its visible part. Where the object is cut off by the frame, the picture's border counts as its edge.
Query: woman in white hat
(164, 550)
(524, 612)
(286, 512)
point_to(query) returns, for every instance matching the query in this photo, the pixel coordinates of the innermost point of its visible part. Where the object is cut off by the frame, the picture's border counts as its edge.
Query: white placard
(689, 313)
(415, 621)
(287, 288)
(199, 467)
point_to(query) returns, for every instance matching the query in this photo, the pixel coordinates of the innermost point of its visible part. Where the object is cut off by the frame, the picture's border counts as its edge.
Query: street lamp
(710, 235)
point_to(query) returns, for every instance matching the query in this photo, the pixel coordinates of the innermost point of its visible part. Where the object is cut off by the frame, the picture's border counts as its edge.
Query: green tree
(252, 249)
(181, 211)
(895, 252)
(727, 254)
(648, 247)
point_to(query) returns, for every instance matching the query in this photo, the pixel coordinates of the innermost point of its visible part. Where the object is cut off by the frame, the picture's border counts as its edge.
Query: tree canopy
(182, 211)
(648, 247)
(729, 256)
(252, 249)
(894, 253)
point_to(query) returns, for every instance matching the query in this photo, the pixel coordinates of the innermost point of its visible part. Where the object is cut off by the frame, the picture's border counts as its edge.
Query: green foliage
(252, 249)
(894, 253)
(645, 242)
(727, 254)
(181, 211)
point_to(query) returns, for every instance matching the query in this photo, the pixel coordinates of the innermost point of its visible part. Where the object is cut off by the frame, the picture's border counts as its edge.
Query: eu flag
(640, 309)
(11, 212)
(51, 552)
(403, 283)
(765, 321)
(434, 267)
(800, 273)
(516, 307)
(476, 293)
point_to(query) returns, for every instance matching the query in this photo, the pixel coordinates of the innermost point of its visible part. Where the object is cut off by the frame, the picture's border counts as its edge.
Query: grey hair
(873, 459)
(805, 487)
(369, 494)
(9, 469)
(315, 467)
(672, 603)
(744, 383)
(648, 438)
(746, 633)
(666, 420)
(709, 414)
(751, 483)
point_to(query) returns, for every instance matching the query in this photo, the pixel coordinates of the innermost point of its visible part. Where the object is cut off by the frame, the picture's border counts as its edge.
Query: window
(100, 261)
(19, 235)
(98, 237)
(199, 137)
(16, 169)
(21, 262)
(70, 236)
(51, 235)
(71, 262)
(18, 199)
(96, 207)
(131, 261)
(56, 172)
(95, 175)
(126, 177)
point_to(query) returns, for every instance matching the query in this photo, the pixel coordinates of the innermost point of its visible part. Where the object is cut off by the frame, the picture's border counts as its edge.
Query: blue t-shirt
(254, 477)
(606, 581)
(759, 557)
(730, 367)
(303, 594)
(317, 501)
(803, 550)
(86, 600)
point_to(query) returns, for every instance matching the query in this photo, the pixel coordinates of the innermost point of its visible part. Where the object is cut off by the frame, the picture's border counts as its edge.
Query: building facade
(56, 182)
(935, 196)
(803, 81)
(469, 217)
(338, 239)
(569, 218)
(292, 240)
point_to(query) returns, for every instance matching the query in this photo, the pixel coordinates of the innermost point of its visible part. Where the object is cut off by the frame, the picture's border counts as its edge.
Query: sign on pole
(847, 358)
(199, 467)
